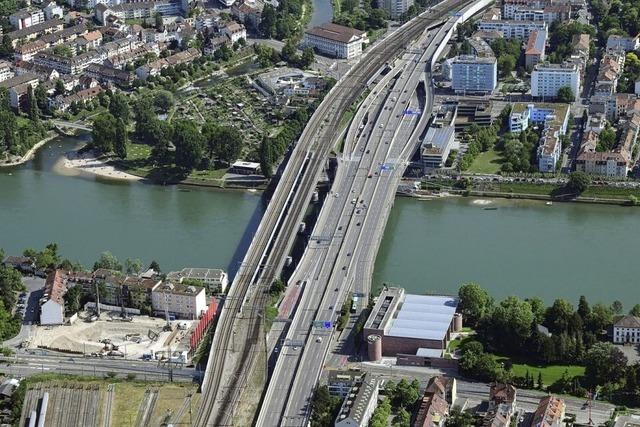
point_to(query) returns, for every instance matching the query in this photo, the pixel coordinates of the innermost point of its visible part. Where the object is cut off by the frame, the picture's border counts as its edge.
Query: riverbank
(32, 151)
(93, 163)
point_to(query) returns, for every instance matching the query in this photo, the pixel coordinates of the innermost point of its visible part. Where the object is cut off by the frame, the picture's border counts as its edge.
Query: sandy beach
(90, 162)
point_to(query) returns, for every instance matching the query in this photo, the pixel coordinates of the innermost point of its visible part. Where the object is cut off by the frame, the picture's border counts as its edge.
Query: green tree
(324, 407)
(104, 132)
(108, 261)
(188, 142)
(72, 299)
(583, 308)
(617, 307)
(163, 100)
(121, 139)
(159, 23)
(475, 303)
(578, 182)
(380, 417)
(635, 311)
(558, 316)
(512, 323)
(119, 106)
(155, 266)
(307, 58)
(506, 64)
(606, 139)
(459, 418)
(132, 266)
(605, 364)
(402, 419)
(34, 114)
(540, 383)
(565, 94)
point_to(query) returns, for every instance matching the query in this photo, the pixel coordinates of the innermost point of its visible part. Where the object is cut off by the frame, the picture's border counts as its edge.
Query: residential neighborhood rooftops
(18, 80)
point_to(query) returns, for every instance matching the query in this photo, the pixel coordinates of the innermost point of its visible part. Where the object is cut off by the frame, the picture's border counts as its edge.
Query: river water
(523, 248)
(322, 13)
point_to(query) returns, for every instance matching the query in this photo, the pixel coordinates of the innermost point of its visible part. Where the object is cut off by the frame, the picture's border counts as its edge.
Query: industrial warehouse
(416, 329)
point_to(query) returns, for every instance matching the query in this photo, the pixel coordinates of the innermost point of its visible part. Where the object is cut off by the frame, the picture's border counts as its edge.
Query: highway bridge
(239, 340)
(380, 141)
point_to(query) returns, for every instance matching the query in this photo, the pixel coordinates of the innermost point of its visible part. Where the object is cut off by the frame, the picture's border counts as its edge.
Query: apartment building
(535, 50)
(26, 18)
(249, 13)
(178, 300)
(359, 404)
(474, 74)
(5, 71)
(627, 330)
(510, 7)
(17, 86)
(335, 40)
(138, 10)
(108, 75)
(35, 31)
(622, 43)
(62, 103)
(547, 79)
(234, 31)
(396, 8)
(212, 278)
(154, 68)
(52, 10)
(68, 65)
(512, 29)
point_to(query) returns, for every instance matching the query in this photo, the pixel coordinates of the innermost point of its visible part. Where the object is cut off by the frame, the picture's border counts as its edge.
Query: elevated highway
(239, 337)
(381, 139)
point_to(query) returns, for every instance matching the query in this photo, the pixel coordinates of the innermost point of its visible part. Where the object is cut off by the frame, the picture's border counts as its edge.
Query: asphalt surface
(340, 256)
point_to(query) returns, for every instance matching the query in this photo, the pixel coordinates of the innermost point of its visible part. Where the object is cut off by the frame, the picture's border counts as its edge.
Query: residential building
(550, 412)
(68, 65)
(396, 8)
(52, 10)
(627, 330)
(27, 51)
(512, 29)
(622, 43)
(340, 383)
(474, 74)
(35, 31)
(616, 162)
(445, 387)
(26, 18)
(234, 31)
(547, 79)
(83, 96)
(154, 68)
(5, 71)
(23, 264)
(180, 301)
(557, 12)
(510, 7)
(436, 146)
(52, 311)
(501, 394)
(249, 13)
(535, 50)
(211, 21)
(549, 149)
(137, 292)
(17, 88)
(215, 280)
(108, 75)
(432, 412)
(93, 39)
(539, 113)
(44, 73)
(480, 48)
(335, 40)
(359, 404)
(138, 10)
(581, 45)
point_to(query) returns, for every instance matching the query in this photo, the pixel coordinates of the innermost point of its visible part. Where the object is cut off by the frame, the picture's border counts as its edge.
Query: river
(523, 248)
(88, 215)
(322, 13)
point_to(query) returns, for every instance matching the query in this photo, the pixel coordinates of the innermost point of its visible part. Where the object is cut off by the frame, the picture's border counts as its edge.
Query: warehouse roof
(424, 317)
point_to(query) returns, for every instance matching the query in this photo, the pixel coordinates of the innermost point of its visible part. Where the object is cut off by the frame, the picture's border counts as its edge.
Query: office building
(335, 40)
(396, 8)
(547, 79)
(474, 74)
(436, 146)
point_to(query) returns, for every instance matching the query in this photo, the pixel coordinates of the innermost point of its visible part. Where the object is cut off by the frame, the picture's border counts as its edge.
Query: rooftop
(536, 42)
(205, 274)
(54, 286)
(357, 400)
(424, 317)
(628, 321)
(335, 32)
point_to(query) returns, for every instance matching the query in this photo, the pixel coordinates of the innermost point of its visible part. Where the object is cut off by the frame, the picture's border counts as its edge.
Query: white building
(436, 147)
(359, 404)
(510, 7)
(512, 29)
(234, 31)
(474, 74)
(180, 301)
(335, 40)
(549, 149)
(5, 71)
(26, 18)
(547, 79)
(52, 311)
(396, 8)
(627, 330)
(211, 277)
(52, 10)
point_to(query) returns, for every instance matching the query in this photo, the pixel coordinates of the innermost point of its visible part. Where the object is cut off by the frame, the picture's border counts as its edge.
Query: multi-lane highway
(239, 334)
(345, 240)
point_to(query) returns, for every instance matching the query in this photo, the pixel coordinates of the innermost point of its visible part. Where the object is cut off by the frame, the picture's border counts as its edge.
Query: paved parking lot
(34, 292)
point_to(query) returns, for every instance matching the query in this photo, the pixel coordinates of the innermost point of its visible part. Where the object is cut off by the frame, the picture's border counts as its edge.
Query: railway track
(272, 240)
(108, 406)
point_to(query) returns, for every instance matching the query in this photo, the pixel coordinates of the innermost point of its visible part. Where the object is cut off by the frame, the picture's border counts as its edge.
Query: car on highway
(319, 339)
(369, 176)
(348, 253)
(296, 348)
(358, 224)
(368, 151)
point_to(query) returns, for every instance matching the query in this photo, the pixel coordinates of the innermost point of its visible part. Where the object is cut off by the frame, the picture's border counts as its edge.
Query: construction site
(111, 335)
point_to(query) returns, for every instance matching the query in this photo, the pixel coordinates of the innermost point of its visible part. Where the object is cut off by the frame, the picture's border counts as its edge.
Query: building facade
(474, 74)
(335, 40)
(178, 300)
(547, 79)
(512, 29)
(627, 330)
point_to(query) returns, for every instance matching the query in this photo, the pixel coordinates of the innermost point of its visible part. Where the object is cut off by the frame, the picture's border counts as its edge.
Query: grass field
(550, 373)
(486, 162)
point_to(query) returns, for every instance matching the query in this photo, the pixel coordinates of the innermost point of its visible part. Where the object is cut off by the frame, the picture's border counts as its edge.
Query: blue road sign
(412, 112)
(328, 325)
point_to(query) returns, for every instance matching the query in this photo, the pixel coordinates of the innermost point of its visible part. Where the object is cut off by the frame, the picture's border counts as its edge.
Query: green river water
(522, 248)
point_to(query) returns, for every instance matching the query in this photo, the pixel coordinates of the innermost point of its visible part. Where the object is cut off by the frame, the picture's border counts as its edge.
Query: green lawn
(486, 162)
(456, 343)
(138, 151)
(550, 373)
